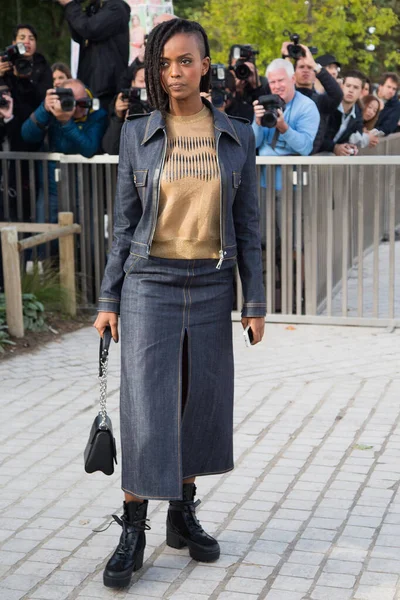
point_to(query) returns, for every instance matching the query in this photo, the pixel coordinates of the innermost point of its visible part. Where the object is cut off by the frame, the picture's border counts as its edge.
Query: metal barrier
(336, 214)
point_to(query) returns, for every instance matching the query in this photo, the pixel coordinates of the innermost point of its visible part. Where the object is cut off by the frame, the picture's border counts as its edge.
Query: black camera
(137, 100)
(4, 102)
(272, 103)
(295, 51)
(218, 85)
(68, 102)
(14, 54)
(243, 54)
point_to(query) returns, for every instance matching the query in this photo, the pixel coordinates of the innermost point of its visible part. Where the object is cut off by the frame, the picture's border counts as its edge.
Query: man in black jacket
(102, 31)
(346, 121)
(387, 94)
(306, 72)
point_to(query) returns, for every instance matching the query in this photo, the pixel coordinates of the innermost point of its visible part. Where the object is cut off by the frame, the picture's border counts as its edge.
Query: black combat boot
(128, 556)
(184, 529)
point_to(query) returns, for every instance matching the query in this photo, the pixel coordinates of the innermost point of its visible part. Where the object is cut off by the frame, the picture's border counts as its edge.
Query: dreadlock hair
(157, 96)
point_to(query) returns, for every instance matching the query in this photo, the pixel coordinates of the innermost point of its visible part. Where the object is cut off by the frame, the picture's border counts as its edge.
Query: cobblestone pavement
(312, 510)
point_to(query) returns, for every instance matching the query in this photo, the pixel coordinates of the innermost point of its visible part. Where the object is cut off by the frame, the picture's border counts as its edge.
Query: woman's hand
(257, 326)
(104, 319)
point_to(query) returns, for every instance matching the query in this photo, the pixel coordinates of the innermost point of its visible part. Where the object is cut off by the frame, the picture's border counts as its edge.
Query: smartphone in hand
(248, 336)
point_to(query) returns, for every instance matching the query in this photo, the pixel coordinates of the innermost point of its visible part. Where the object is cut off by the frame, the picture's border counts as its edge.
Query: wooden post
(67, 264)
(12, 281)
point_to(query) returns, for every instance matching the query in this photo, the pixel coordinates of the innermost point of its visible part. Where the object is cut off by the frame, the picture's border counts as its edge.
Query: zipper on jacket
(221, 216)
(221, 259)
(158, 195)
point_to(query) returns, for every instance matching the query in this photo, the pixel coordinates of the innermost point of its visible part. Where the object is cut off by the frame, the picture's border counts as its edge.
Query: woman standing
(186, 211)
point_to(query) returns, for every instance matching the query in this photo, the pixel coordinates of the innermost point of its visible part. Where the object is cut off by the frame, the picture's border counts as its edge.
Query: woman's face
(28, 39)
(371, 111)
(182, 66)
(135, 21)
(58, 78)
(139, 81)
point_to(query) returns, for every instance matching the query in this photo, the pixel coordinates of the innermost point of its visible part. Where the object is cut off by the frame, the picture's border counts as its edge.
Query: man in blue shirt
(296, 126)
(78, 131)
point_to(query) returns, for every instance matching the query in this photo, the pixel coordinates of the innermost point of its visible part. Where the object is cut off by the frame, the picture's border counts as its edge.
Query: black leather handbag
(101, 452)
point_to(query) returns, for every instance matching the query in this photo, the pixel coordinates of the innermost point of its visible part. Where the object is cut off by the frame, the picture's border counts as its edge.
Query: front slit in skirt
(162, 300)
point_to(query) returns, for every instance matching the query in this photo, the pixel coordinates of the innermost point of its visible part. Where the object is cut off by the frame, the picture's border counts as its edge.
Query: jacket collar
(222, 123)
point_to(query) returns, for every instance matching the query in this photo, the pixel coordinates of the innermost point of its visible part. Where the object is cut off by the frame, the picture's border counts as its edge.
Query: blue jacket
(142, 153)
(303, 118)
(72, 138)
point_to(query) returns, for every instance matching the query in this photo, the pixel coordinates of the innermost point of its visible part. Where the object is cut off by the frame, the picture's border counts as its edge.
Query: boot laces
(189, 507)
(139, 525)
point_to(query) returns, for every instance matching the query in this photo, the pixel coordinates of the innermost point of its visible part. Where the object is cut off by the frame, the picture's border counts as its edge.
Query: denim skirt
(165, 302)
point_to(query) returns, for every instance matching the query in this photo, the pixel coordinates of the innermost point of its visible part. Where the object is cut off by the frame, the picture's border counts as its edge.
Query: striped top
(188, 224)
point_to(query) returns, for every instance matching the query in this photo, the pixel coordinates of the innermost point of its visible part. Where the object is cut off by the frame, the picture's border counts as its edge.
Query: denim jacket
(142, 154)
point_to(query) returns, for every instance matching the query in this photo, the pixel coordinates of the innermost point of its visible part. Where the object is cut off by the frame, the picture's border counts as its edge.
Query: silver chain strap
(103, 392)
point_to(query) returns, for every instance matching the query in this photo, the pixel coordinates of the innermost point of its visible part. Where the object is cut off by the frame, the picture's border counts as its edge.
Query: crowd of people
(43, 108)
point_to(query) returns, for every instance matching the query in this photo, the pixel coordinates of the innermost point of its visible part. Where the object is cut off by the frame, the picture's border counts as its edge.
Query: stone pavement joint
(310, 512)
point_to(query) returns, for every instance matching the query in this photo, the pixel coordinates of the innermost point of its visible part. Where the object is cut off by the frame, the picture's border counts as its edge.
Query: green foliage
(334, 26)
(45, 286)
(191, 9)
(33, 312)
(48, 19)
(4, 335)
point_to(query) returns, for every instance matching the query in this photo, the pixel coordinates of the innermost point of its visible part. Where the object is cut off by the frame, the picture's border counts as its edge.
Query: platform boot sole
(199, 553)
(123, 578)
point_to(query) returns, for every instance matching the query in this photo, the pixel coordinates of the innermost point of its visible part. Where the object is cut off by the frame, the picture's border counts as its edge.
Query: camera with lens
(218, 85)
(271, 103)
(137, 100)
(4, 102)
(68, 102)
(14, 54)
(295, 51)
(243, 54)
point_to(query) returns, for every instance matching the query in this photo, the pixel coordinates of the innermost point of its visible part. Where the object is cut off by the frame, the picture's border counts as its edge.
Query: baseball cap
(327, 59)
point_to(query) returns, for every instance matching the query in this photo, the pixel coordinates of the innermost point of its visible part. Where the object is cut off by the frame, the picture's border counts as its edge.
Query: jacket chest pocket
(140, 177)
(236, 179)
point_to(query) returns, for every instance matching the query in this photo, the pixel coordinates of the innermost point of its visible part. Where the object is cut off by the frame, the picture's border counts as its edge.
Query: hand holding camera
(5, 67)
(268, 111)
(294, 49)
(13, 58)
(52, 104)
(121, 105)
(6, 104)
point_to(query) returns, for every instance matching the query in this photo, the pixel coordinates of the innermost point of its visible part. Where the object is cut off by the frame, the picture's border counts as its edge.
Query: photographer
(122, 108)
(345, 125)
(102, 31)
(71, 127)
(307, 71)
(27, 75)
(296, 125)
(248, 86)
